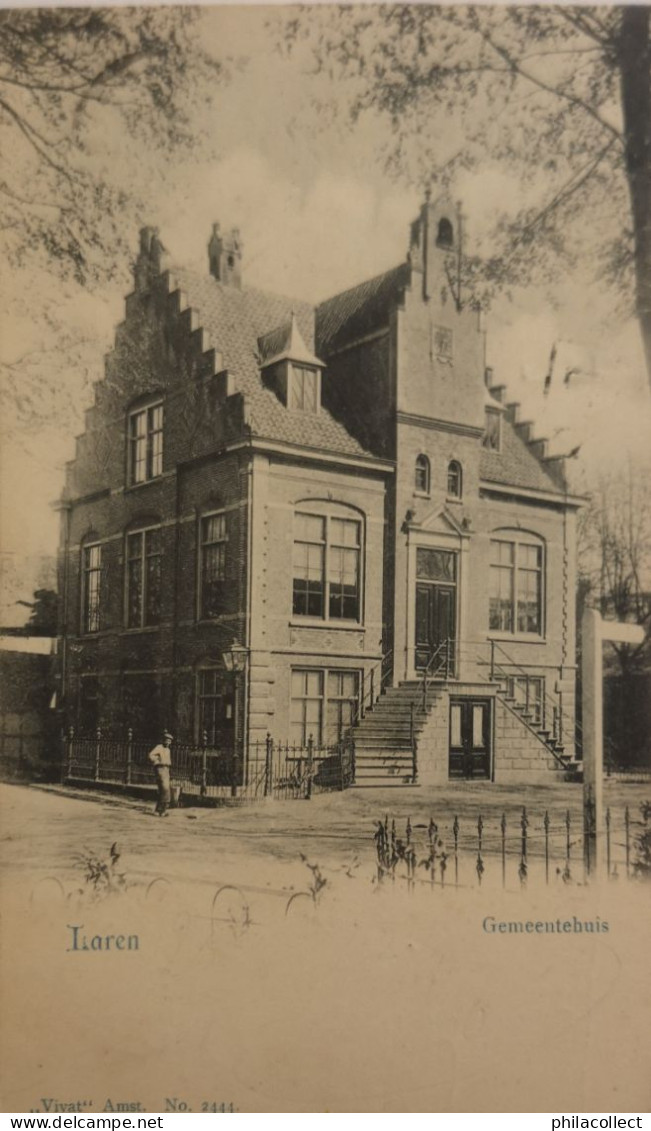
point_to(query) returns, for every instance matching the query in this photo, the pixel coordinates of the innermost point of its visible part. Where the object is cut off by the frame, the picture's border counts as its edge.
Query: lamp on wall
(235, 660)
(235, 657)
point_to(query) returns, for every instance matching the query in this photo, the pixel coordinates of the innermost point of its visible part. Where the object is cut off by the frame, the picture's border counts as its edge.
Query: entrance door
(470, 739)
(436, 610)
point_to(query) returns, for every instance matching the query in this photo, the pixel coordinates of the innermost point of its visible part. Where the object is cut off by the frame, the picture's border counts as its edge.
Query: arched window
(516, 592)
(327, 568)
(455, 480)
(422, 475)
(445, 235)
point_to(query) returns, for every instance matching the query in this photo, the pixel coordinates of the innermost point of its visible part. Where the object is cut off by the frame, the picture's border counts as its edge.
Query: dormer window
(145, 443)
(290, 368)
(492, 439)
(303, 392)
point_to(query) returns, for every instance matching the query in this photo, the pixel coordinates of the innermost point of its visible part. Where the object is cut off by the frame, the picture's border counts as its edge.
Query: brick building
(277, 511)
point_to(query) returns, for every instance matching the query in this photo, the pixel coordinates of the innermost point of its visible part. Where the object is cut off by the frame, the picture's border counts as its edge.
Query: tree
(615, 558)
(560, 97)
(69, 79)
(43, 617)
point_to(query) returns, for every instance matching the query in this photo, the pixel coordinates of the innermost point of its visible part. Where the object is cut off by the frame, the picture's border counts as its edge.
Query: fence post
(71, 735)
(127, 776)
(503, 831)
(97, 753)
(268, 764)
(372, 700)
(204, 763)
(310, 765)
(546, 828)
(362, 698)
(524, 824)
(492, 670)
(627, 827)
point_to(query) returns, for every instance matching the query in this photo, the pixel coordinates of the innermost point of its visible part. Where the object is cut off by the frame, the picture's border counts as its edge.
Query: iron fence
(269, 769)
(545, 847)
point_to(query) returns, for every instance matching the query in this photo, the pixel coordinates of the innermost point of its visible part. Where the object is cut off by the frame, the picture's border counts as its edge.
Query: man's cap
(166, 734)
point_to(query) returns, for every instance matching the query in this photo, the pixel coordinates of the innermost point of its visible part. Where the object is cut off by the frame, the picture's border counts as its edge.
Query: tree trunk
(635, 74)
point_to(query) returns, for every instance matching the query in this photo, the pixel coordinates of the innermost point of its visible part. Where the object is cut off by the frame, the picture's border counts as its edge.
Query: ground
(377, 997)
(46, 829)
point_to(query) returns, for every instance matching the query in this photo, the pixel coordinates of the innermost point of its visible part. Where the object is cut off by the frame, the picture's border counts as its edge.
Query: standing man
(161, 759)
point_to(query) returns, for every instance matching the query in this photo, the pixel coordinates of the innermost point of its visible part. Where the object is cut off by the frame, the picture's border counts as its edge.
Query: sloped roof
(515, 465)
(360, 310)
(235, 320)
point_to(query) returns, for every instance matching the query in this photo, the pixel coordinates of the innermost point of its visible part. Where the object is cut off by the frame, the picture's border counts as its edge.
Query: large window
(327, 553)
(303, 388)
(212, 565)
(516, 586)
(145, 443)
(215, 709)
(323, 704)
(143, 578)
(91, 588)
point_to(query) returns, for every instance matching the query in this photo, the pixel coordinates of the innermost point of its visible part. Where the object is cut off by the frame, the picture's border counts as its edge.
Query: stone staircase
(554, 745)
(383, 747)
(383, 738)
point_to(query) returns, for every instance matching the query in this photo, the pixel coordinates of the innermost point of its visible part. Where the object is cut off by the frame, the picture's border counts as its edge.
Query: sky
(317, 213)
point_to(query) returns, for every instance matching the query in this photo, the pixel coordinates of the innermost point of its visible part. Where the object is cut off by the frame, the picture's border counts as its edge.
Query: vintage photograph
(325, 700)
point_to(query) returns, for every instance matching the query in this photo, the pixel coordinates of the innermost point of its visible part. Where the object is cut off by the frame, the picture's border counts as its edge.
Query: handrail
(372, 687)
(558, 715)
(444, 648)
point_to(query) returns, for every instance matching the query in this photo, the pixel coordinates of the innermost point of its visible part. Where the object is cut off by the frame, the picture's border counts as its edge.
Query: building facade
(317, 522)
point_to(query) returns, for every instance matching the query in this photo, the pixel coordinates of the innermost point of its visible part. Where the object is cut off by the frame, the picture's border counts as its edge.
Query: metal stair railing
(439, 666)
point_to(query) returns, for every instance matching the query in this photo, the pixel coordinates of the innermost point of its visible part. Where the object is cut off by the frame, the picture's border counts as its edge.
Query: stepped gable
(520, 462)
(516, 464)
(235, 319)
(360, 310)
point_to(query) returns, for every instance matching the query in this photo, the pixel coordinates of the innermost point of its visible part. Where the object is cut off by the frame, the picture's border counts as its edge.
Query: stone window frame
(455, 472)
(422, 475)
(518, 541)
(327, 514)
(322, 697)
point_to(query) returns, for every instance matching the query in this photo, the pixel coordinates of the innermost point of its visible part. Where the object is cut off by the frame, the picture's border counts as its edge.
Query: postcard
(326, 679)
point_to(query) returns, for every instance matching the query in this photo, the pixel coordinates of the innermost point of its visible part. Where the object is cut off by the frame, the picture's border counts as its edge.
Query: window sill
(338, 625)
(145, 628)
(456, 500)
(518, 637)
(422, 495)
(145, 483)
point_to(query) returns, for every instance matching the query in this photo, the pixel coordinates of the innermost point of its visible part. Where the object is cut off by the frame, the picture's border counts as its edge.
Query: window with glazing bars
(91, 583)
(323, 704)
(327, 567)
(145, 444)
(143, 578)
(515, 603)
(212, 565)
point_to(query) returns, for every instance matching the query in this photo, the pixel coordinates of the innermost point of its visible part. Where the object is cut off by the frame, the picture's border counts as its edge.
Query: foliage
(101, 876)
(615, 557)
(557, 99)
(71, 79)
(44, 615)
(642, 861)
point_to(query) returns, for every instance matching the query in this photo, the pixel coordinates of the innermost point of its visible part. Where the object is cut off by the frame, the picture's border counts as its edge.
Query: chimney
(225, 256)
(152, 259)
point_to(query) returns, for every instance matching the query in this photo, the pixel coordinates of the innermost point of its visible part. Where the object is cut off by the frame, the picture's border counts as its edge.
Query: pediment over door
(441, 522)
